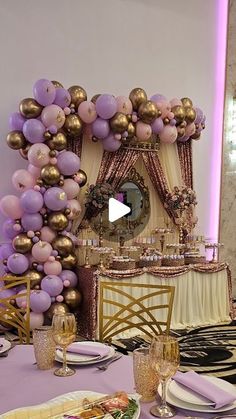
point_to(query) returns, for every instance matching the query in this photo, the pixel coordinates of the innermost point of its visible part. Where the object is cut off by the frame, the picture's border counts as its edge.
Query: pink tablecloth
(22, 384)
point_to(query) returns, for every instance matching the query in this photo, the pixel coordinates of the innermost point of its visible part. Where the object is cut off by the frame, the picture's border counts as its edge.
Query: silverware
(105, 366)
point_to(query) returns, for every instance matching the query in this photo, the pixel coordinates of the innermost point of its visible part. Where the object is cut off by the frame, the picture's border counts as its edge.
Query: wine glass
(64, 332)
(164, 354)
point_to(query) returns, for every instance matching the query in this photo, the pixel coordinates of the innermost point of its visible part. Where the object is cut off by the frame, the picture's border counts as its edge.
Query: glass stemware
(164, 354)
(64, 333)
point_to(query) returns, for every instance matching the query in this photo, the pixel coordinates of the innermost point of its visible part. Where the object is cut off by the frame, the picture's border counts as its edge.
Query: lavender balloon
(8, 293)
(44, 92)
(8, 229)
(62, 98)
(33, 131)
(55, 199)
(52, 284)
(31, 201)
(6, 250)
(100, 128)
(70, 276)
(16, 121)
(40, 301)
(183, 139)
(158, 98)
(110, 143)
(17, 263)
(106, 106)
(199, 116)
(68, 163)
(32, 222)
(157, 126)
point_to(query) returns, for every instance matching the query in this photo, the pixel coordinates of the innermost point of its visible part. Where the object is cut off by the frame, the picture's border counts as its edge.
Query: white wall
(110, 46)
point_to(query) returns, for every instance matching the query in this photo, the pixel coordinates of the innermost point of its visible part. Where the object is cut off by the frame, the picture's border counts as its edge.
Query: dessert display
(122, 263)
(172, 260)
(193, 257)
(150, 260)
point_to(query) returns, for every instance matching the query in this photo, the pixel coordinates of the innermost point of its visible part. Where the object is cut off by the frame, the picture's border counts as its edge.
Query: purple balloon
(100, 128)
(70, 276)
(8, 230)
(62, 98)
(16, 121)
(31, 201)
(52, 284)
(32, 222)
(6, 250)
(33, 130)
(199, 115)
(44, 92)
(17, 263)
(110, 143)
(183, 139)
(7, 293)
(55, 199)
(157, 126)
(158, 98)
(68, 163)
(106, 106)
(40, 301)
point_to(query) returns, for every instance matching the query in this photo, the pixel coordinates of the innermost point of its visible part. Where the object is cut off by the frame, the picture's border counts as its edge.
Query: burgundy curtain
(185, 158)
(75, 146)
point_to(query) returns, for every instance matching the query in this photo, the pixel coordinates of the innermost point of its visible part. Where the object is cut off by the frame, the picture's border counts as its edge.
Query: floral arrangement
(181, 199)
(98, 196)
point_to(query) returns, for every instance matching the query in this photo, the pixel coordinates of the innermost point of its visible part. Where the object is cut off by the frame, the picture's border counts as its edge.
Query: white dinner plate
(74, 358)
(5, 345)
(175, 401)
(51, 408)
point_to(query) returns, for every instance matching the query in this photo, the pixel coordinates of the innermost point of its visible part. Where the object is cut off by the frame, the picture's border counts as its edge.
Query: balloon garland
(39, 220)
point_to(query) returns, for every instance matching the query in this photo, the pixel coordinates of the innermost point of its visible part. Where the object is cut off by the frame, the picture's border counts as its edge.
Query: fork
(105, 366)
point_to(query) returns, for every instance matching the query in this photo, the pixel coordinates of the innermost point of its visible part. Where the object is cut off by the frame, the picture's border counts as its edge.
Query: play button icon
(116, 210)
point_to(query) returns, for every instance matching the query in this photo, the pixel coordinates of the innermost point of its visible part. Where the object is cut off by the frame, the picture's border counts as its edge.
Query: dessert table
(22, 384)
(203, 293)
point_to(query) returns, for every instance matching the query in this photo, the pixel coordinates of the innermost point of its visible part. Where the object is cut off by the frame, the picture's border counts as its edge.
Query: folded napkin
(90, 350)
(205, 388)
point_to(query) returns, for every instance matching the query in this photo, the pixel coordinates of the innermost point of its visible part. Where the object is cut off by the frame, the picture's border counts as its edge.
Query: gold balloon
(63, 245)
(29, 108)
(57, 142)
(78, 95)
(72, 297)
(69, 261)
(181, 131)
(56, 83)
(24, 151)
(131, 130)
(190, 115)
(73, 125)
(119, 123)
(6, 318)
(196, 136)
(83, 178)
(179, 113)
(35, 277)
(148, 111)
(56, 308)
(137, 96)
(21, 243)
(94, 98)
(16, 140)
(186, 102)
(57, 221)
(50, 174)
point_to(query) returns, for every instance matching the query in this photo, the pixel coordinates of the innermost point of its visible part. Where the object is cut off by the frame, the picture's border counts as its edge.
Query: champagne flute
(164, 354)
(64, 332)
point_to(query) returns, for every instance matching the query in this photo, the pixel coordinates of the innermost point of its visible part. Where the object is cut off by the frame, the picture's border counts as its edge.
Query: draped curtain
(185, 158)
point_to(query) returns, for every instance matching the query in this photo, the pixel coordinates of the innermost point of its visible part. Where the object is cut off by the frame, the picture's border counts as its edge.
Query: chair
(128, 305)
(10, 313)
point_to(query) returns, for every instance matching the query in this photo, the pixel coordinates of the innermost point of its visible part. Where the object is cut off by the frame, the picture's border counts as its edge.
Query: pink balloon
(53, 115)
(143, 131)
(75, 208)
(35, 171)
(176, 102)
(41, 251)
(71, 188)
(47, 234)
(36, 320)
(10, 206)
(52, 268)
(87, 112)
(190, 129)
(168, 134)
(124, 105)
(38, 155)
(23, 180)
(21, 302)
(165, 108)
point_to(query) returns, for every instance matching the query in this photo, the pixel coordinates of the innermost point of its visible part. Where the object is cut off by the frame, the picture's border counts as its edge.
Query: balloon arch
(39, 220)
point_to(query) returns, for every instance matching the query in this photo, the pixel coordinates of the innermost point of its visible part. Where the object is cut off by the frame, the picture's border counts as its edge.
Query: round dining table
(23, 384)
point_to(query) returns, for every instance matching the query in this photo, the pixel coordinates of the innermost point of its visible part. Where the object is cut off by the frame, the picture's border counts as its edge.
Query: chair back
(10, 313)
(145, 308)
